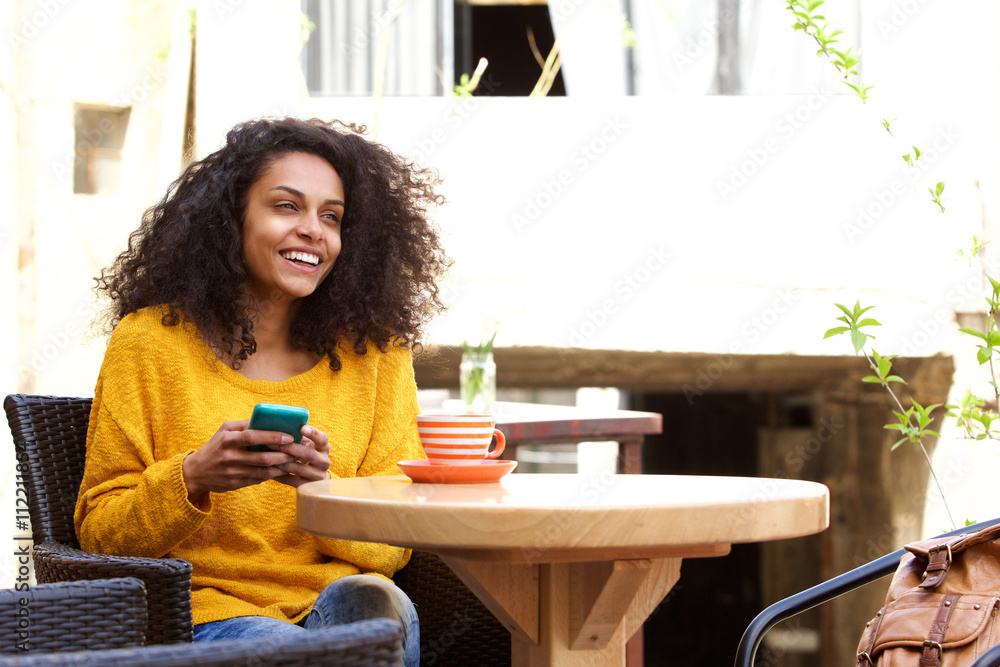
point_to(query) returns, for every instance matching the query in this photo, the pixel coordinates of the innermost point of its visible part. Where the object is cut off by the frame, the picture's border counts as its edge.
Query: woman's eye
(287, 205)
(332, 217)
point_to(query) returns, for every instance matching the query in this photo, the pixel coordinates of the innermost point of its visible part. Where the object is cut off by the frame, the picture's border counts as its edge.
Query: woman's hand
(311, 459)
(224, 463)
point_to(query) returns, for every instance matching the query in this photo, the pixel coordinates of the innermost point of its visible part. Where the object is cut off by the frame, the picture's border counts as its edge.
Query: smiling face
(291, 228)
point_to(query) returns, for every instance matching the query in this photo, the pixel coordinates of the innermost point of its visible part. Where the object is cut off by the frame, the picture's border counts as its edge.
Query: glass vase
(477, 377)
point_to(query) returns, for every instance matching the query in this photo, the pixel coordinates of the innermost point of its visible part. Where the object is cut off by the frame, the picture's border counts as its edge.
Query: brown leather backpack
(941, 609)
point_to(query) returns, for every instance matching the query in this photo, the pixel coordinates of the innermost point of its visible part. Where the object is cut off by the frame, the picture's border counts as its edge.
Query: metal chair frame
(833, 588)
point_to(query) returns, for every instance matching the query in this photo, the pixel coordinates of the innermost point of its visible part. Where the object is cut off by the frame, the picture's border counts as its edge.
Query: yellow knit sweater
(161, 395)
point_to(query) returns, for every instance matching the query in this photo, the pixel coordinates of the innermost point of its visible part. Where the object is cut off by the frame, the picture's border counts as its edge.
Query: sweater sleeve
(394, 431)
(130, 503)
(394, 438)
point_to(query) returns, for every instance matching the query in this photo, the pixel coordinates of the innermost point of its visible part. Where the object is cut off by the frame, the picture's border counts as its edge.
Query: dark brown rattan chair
(50, 435)
(103, 622)
(456, 629)
(50, 438)
(72, 616)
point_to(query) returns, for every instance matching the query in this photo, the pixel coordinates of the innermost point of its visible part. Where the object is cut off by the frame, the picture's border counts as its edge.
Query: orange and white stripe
(458, 439)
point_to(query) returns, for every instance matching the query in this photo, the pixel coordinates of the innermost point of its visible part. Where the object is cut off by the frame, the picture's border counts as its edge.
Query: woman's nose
(310, 226)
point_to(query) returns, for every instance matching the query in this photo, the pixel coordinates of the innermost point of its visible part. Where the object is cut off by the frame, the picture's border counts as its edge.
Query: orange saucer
(487, 471)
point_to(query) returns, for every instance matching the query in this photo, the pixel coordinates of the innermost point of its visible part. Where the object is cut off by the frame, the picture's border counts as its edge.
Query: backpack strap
(938, 564)
(938, 552)
(865, 657)
(932, 645)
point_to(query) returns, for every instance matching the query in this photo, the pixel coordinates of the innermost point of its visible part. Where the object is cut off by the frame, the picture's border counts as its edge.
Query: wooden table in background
(537, 424)
(572, 565)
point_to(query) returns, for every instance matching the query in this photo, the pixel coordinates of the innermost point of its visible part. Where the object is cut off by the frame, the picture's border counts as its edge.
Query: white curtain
(677, 46)
(591, 40)
(676, 50)
(358, 42)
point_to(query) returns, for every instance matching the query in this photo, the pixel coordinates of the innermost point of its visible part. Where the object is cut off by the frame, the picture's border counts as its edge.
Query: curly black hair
(187, 254)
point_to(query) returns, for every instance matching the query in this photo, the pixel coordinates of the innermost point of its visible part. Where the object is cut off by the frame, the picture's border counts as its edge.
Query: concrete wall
(78, 55)
(53, 242)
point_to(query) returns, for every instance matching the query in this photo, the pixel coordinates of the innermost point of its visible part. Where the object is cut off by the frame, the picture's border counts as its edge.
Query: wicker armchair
(73, 616)
(103, 622)
(50, 439)
(50, 435)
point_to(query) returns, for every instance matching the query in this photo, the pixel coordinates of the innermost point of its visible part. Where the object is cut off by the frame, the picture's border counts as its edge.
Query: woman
(295, 265)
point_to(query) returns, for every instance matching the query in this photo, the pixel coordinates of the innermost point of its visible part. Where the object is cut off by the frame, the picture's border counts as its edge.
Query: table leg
(630, 455)
(585, 611)
(630, 463)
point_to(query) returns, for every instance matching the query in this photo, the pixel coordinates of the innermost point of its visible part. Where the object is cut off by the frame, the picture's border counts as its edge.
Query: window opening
(99, 139)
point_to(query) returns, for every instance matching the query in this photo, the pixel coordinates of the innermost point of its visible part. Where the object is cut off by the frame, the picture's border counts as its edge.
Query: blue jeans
(355, 598)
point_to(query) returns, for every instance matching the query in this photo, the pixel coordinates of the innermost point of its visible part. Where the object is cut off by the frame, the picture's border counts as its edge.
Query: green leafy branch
(936, 193)
(852, 318)
(991, 337)
(812, 23)
(914, 432)
(882, 367)
(910, 159)
(913, 423)
(970, 416)
(977, 244)
(846, 62)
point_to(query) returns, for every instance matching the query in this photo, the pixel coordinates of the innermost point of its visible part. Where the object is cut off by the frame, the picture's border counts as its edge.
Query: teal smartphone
(272, 417)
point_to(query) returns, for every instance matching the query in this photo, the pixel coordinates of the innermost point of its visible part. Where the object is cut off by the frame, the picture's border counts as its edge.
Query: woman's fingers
(317, 437)
(298, 480)
(248, 438)
(311, 458)
(226, 462)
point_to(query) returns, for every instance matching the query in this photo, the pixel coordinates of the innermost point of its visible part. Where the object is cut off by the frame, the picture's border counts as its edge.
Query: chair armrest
(167, 581)
(817, 595)
(989, 659)
(375, 643)
(73, 616)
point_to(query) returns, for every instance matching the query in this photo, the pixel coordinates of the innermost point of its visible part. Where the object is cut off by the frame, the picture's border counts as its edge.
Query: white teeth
(302, 257)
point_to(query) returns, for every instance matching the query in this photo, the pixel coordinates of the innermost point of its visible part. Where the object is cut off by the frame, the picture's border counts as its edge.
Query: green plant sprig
(914, 432)
(815, 25)
(852, 318)
(970, 416)
(480, 349)
(911, 159)
(977, 244)
(477, 374)
(913, 423)
(991, 337)
(845, 62)
(936, 193)
(883, 367)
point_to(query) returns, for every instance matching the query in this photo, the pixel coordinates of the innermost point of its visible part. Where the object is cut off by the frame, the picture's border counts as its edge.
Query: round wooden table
(572, 565)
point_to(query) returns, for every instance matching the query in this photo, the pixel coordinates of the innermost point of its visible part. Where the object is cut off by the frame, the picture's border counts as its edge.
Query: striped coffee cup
(462, 440)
